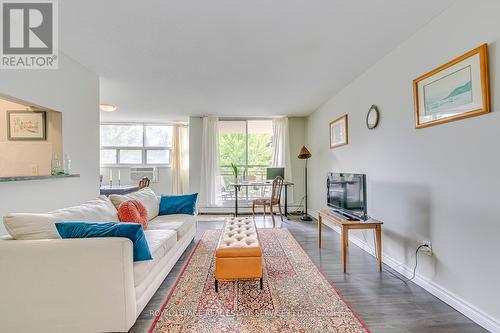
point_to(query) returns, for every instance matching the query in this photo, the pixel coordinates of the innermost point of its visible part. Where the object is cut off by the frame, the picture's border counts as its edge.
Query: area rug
(296, 296)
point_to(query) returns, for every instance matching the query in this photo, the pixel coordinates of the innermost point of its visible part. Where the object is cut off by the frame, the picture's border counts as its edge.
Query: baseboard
(244, 209)
(478, 316)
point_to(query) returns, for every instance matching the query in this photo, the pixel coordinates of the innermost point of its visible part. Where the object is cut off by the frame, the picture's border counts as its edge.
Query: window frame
(246, 166)
(144, 149)
(244, 193)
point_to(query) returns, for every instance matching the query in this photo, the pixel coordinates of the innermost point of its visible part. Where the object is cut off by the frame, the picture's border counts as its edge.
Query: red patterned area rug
(296, 296)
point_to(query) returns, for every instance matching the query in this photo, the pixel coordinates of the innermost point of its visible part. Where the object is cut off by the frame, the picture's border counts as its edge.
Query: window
(248, 144)
(108, 156)
(114, 135)
(129, 156)
(158, 157)
(135, 144)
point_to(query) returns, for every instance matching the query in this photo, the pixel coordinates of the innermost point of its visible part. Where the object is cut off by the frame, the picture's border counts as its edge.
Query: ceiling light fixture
(108, 107)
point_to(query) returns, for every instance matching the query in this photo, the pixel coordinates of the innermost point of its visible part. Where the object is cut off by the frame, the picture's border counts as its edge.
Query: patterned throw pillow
(133, 211)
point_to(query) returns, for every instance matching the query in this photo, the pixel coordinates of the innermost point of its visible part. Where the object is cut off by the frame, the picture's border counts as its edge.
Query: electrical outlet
(427, 249)
(34, 169)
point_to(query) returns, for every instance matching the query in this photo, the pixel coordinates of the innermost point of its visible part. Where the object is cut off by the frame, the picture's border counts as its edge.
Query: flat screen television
(272, 173)
(346, 194)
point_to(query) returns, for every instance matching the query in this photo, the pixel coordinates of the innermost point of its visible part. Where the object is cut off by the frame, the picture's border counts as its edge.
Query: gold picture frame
(339, 135)
(456, 90)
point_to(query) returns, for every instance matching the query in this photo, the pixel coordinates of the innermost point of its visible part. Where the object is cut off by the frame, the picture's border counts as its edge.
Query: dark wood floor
(385, 303)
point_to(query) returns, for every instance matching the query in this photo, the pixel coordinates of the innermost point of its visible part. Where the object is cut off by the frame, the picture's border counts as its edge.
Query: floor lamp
(305, 155)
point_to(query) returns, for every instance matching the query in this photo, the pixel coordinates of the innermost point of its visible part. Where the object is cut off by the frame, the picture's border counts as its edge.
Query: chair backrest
(144, 182)
(277, 186)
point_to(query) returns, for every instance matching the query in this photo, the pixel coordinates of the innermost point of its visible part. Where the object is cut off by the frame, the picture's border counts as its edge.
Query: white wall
(440, 183)
(74, 91)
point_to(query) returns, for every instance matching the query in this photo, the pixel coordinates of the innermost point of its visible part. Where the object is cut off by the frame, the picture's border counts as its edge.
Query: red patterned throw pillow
(133, 211)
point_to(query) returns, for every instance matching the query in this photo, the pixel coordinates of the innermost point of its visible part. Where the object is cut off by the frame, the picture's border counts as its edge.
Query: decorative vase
(67, 164)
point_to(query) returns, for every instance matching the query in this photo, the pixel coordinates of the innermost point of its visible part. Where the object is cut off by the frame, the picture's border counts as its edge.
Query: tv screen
(346, 194)
(272, 173)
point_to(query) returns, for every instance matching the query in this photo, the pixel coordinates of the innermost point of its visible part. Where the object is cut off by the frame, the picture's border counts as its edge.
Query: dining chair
(274, 200)
(144, 182)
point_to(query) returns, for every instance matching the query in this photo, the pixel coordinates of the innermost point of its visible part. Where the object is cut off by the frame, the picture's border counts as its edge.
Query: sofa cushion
(160, 243)
(132, 231)
(146, 196)
(181, 223)
(97, 210)
(31, 226)
(133, 211)
(41, 226)
(178, 204)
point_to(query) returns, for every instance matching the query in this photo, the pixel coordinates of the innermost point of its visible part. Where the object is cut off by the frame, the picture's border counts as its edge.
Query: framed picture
(338, 132)
(26, 125)
(456, 90)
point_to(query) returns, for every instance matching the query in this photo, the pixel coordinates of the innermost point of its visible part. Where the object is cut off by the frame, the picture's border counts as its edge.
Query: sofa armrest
(67, 285)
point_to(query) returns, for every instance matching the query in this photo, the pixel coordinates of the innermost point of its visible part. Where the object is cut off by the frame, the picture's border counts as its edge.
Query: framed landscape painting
(26, 125)
(338, 132)
(456, 90)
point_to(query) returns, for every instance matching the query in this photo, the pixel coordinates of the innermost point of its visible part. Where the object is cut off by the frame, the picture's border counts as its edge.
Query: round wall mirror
(372, 117)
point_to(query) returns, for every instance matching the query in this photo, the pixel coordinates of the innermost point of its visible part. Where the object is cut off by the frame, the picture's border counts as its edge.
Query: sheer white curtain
(180, 159)
(281, 149)
(210, 180)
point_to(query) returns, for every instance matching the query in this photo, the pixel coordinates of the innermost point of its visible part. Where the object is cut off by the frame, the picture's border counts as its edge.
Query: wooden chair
(144, 182)
(274, 200)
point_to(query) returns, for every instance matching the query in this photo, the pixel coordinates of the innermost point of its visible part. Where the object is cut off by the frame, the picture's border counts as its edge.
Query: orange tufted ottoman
(239, 253)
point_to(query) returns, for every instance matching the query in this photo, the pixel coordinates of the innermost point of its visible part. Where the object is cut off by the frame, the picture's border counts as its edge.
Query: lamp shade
(304, 153)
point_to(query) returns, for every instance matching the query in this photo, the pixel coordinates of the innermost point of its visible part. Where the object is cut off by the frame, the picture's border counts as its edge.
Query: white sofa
(82, 285)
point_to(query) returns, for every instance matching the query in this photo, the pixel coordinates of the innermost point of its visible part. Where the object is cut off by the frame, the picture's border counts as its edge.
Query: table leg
(345, 230)
(319, 231)
(378, 231)
(286, 202)
(236, 201)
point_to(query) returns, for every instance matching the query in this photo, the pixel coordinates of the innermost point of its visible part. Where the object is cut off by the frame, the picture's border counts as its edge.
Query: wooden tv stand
(346, 225)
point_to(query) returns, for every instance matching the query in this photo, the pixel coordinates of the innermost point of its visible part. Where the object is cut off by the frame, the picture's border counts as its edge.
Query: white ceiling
(165, 60)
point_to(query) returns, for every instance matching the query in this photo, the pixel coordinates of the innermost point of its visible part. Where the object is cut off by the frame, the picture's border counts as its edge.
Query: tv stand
(346, 223)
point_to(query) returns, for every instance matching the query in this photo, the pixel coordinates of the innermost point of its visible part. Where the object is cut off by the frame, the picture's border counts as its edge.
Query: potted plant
(235, 172)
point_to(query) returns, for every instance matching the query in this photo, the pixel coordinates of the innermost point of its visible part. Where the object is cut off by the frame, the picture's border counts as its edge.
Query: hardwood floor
(385, 303)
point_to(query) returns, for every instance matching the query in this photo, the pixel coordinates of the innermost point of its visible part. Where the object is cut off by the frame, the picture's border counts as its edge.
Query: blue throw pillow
(132, 231)
(178, 204)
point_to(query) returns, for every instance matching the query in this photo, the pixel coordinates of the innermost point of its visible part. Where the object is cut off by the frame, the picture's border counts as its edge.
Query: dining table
(118, 189)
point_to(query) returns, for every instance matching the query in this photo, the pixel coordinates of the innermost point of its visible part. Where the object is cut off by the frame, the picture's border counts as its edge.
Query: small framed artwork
(456, 90)
(26, 125)
(338, 132)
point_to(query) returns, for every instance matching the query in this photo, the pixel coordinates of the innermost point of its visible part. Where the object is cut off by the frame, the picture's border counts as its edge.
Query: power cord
(414, 268)
(298, 211)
